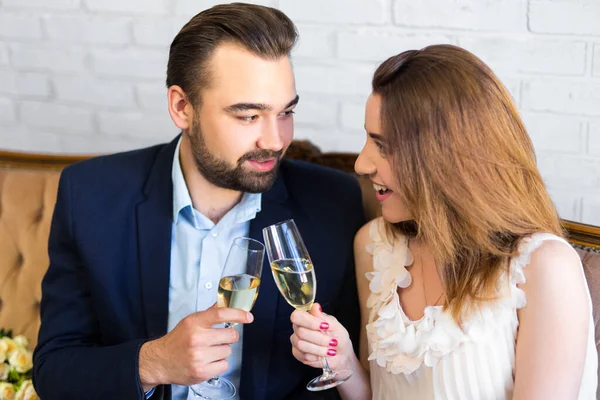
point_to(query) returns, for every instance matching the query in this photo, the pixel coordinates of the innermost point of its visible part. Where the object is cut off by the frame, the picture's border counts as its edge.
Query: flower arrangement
(15, 368)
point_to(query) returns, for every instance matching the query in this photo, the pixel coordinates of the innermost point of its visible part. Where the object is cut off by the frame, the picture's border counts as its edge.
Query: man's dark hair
(264, 31)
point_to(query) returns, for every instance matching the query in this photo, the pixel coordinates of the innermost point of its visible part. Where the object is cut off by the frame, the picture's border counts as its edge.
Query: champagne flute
(294, 275)
(238, 288)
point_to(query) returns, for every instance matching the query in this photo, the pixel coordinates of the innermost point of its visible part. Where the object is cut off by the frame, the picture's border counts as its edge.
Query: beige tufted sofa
(28, 187)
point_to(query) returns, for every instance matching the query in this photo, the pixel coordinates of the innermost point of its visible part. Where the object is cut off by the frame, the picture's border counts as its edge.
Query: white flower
(3, 350)
(21, 360)
(26, 391)
(7, 391)
(11, 346)
(21, 341)
(4, 370)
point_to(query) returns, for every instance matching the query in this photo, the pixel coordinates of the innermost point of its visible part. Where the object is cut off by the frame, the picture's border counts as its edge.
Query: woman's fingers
(306, 320)
(316, 337)
(308, 359)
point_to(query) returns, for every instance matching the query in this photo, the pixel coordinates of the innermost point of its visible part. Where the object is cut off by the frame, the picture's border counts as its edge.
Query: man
(139, 239)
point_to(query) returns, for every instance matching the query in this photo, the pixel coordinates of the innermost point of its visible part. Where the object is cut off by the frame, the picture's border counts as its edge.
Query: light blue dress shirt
(198, 252)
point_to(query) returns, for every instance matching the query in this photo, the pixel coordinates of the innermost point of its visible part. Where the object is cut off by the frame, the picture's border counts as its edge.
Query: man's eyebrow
(247, 106)
(256, 106)
(292, 103)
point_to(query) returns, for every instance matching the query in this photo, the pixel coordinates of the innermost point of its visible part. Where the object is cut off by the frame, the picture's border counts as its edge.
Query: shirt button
(208, 285)
(215, 234)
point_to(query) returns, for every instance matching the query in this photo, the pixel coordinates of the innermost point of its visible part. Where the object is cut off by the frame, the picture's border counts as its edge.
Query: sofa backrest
(28, 187)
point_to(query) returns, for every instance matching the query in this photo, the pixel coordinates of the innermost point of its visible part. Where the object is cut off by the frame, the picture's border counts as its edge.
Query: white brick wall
(87, 76)
(566, 17)
(478, 15)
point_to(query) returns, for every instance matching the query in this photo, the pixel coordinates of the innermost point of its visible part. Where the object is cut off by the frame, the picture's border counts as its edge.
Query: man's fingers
(220, 315)
(213, 354)
(214, 369)
(217, 336)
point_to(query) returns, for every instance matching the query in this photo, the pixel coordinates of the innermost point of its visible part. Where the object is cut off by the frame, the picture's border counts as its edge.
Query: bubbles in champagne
(238, 291)
(296, 281)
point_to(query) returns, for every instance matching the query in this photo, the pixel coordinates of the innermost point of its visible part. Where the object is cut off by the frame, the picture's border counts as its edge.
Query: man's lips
(263, 166)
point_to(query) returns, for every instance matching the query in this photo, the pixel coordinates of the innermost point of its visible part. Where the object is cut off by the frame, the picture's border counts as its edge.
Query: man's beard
(235, 177)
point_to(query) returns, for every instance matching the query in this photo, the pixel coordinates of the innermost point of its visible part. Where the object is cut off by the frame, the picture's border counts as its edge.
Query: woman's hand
(318, 335)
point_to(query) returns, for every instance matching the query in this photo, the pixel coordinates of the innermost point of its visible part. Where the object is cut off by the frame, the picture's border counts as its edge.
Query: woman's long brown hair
(464, 165)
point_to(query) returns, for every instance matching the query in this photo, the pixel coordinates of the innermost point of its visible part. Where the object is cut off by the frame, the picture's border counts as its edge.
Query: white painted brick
(528, 54)
(378, 45)
(154, 7)
(596, 69)
(98, 144)
(562, 96)
(315, 41)
(316, 112)
(152, 96)
(94, 91)
(591, 210)
(193, 7)
(336, 11)
(570, 17)
(569, 172)
(24, 84)
(44, 4)
(555, 133)
(157, 32)
(328, 140)
(24, 139)
(80, 29)
(53, 116)
(594, 138)
(137, 125)
(131, 63)
(20, 26)
(484, 15)
(8, 112)
(353, 116)
(513, 85)
(3, 54)
(566, 203)
(334, 80)
(53, 58)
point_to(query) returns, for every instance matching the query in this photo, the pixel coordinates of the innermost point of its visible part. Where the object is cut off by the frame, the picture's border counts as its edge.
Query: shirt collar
(244, 211)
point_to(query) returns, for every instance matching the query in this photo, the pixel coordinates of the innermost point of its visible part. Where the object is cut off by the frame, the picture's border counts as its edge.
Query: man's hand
(193, 351)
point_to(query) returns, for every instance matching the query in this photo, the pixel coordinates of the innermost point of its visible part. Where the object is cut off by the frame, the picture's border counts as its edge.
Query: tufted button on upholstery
(39, 214)
(20, 260)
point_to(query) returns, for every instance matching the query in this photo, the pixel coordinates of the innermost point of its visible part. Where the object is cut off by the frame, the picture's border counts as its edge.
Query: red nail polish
(331, 352)
(320, 309)
(333, 343)
(324, 325)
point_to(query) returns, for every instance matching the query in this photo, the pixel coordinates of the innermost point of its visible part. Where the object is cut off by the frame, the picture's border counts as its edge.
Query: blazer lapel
(154, 219)
(256, 353)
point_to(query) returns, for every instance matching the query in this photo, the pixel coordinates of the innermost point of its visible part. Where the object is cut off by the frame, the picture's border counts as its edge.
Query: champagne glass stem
(327, 371)
(215, 379)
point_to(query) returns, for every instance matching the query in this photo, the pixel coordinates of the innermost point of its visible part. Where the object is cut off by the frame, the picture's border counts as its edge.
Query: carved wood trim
(11, 159)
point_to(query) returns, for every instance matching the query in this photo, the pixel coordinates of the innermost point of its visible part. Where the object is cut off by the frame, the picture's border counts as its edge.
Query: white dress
(432, 358)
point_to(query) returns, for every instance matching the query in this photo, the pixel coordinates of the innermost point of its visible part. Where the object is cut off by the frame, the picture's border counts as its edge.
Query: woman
(468, 289)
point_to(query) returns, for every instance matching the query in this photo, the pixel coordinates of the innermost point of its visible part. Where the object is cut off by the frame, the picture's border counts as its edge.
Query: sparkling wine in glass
(294, 275)
(238, 288)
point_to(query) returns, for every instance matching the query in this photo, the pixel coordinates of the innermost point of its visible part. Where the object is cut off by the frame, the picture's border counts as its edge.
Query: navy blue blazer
(106, 290)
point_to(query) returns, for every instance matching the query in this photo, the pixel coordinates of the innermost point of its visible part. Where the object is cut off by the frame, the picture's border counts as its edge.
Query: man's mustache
(261, 155)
